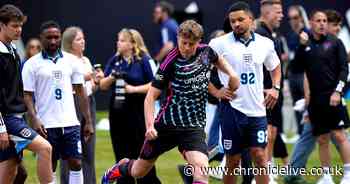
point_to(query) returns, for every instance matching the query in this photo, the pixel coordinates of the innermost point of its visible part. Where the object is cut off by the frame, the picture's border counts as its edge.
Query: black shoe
(185, 179)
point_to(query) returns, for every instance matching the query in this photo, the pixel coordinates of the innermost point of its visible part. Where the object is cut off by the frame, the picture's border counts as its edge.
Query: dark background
(102, 19)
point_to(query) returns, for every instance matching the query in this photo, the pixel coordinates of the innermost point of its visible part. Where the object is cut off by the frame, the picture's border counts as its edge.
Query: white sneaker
(325, 179)
(272, 179)
(345, 180)
(216, 173)
(253, 181)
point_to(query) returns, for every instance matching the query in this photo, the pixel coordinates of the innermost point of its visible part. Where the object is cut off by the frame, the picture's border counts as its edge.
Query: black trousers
(296, 86)
(127, 130)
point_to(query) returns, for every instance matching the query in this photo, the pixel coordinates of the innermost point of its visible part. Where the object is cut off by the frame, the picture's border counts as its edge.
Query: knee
(323, 140)
(340, 136)
(45, 149)
(140, 173)
(74, 164)
(272, 137)
(233, 162)
(259, 157)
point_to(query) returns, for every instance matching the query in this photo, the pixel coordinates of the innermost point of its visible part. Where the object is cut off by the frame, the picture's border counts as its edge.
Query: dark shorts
(325, 118)
(21, 135)
(274, 116)
(65, 142)
(240, 131)
(168, 138)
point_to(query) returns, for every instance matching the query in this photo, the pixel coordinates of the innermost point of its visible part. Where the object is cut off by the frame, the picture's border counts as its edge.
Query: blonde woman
(33, 47)
(73, 42)
(128, 74)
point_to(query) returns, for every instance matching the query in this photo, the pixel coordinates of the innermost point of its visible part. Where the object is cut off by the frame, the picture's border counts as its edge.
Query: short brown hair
(166, 7)
(270, 2)
(333, 16)
(190, 29)
(9, 13)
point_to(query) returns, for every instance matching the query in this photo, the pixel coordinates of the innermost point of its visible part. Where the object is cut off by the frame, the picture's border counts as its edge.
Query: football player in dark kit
(185, 75)
(324, 60)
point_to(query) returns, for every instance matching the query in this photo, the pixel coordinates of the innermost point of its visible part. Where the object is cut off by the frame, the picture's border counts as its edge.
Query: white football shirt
(51, 84)
(247, 60)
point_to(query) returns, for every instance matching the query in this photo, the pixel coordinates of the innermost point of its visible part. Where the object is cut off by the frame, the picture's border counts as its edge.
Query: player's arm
(107, 79)
(343, 74)
(167, 45)
(159, 83)
(152, 96)
(4, 138)
(32, 115)
(222, 93)
(271, 95)
(306, 90)
(84, 106)
(224, 66)
(272, 64)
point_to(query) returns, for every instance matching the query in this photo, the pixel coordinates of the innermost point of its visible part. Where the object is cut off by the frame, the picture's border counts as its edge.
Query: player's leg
(21, 174)
(198, 161)
(257, 143)
(25, 137)
(259, 158)
(151, 150)
(271, 138)
(340, 136)
(344, 150)
(8, 170)
(43, 149)
(232, 162)
(232, 138)
(321, 117)
(194, 149)
(71, 150)
(75, 171)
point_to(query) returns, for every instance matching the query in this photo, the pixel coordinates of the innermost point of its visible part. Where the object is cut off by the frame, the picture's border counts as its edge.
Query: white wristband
(340, 86)
(3, 129)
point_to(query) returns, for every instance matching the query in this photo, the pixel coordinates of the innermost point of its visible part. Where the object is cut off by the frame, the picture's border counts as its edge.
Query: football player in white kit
(49, 79)
(244, 123)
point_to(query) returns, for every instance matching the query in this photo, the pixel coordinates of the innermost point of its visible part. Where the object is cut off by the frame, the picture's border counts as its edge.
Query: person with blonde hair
(73, 41)
(33, 47)
(128, 74)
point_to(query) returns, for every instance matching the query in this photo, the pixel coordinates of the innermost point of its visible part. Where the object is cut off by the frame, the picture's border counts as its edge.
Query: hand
(39, 128)
(303, 38)
(4, 141)
(335, 99)
(130, 88)
(88, 130)
(151, 133)
(99, 75)
(225, 94)
(271, 97)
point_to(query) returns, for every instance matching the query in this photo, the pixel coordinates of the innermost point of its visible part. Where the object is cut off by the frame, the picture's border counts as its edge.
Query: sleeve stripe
(169, 58)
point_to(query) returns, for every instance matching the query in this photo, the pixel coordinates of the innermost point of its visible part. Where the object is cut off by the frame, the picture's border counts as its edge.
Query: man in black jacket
(324, 59)
(269, 21)
(15, 134)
